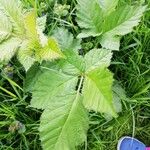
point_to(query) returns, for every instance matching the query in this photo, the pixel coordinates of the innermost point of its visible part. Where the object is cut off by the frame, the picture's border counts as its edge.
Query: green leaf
(41, 22)
(26, 59)
(97, 91)
(108, 6)
(5, 27)
(97, 58)
(64, 124)
(119, 23)
(89, 17)
(75, 59)
(11, 27)
(66, 40)
(31, 77)
(50, 51)
(30, 25)
(8, 48)
(13, 10)
(102, 18)
(51, 85)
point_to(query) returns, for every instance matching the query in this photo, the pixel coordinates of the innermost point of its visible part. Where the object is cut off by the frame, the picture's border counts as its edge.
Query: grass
(131, 66)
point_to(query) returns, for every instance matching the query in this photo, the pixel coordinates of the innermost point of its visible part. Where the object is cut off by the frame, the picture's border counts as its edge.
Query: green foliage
(66, 123)
(96, 58)
(104, 19)
(64, 84)
(97, 91)
(22, 33)
(66, 39)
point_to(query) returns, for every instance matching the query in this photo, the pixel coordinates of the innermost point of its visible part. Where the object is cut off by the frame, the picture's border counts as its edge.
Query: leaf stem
(80, 84)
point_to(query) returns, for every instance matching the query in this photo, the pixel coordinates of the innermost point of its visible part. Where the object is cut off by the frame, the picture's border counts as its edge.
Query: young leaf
(8, 48)
(51, 85)
(97, 58)
(118, 23)
(66, 40)
(41, 23)
(5, 27)
(13, 10)
(97, 91)
(30, 25)
(50, 51)
(26, 54)
(11, 27)
(64, 124)
(89, 17)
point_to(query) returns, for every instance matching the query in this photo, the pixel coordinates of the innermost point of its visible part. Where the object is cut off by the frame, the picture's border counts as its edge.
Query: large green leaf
(66, 40)
(118, 23)
(97, 58)
(51, 85)
(89, 17)
(97, 91)
(64, 123)
(104, 19)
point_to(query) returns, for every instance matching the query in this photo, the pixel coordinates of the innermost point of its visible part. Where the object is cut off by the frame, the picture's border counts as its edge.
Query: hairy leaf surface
(89, 17)
(75, 59)
(8, 48)
(102, 18)
(51, 85)
(66, 40)
(50, 51)
(108, 6)
(119, 23)
(97, 58)
(97, 91)
(13, 10)
(64, 124)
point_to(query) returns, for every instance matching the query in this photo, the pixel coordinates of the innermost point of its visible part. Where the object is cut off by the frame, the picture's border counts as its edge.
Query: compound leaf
(102, 18)
(118, 23)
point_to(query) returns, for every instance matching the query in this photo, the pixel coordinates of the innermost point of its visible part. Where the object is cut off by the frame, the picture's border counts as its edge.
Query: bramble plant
(64, 84)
